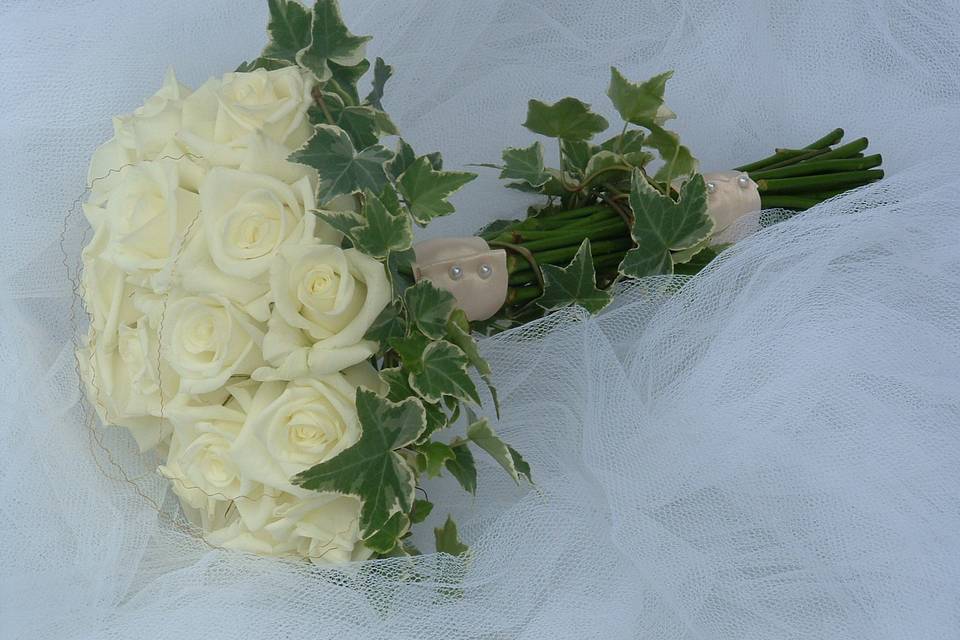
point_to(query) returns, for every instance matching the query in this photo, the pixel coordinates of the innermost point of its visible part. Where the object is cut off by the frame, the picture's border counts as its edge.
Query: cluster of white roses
(227, 324)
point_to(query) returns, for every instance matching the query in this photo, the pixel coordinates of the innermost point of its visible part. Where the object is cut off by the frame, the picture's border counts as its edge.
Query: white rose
(127, 383)
(247, 217)
(203, 475)
(106, 294)
(323, 528)
(219, 116)
(293, 426)
(325, 300)
(207, 340)
(145, 134)
(247, 214)
(146, 215)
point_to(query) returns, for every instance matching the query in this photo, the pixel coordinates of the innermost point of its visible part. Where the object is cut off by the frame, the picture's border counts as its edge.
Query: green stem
(813, 167)
(784, 154)
(808, 184)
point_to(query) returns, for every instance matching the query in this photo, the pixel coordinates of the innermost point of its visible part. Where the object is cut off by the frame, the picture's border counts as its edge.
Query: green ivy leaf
(410, 349)
(371, 469)
(403, 158)
(482, 434)
(662, 225)
(463, 467)
(343, 80)
(270, 64)
(289, 30)
(340, 168)
(421, 511)
(398, 381)
(678, 161)
(433, 456)
(576, 155)
(381, 73)
(399, 268)
(426, 190)
(640, 103)
(429, 307)
(569, 119)
(575, 284)
(385, 539)
(521, 465)
(524, 164)
(458, 332)
(443, 372)
(330, 41)
(627, 142)
(698, 262)
(388, 326)
(382, 231)
(448, 540)
(605, 166)
(361, 125)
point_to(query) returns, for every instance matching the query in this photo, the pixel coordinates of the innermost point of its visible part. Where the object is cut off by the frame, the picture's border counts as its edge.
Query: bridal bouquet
(260, 315)
(248, 316)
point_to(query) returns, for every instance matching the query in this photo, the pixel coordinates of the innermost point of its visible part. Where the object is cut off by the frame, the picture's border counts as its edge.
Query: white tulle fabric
(767, 450)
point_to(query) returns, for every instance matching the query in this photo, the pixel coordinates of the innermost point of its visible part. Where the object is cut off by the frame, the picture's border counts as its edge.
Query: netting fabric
(766, 450)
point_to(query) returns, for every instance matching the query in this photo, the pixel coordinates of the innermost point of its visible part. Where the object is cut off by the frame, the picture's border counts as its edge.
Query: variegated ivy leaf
(289, 30)
(441, 371)
(575, 284)
(444, 374)
(381, 73)
(568, 119)
(448, 540)
(481, 433)
(330, 41)
(398, 381)
(463, 467)
(363, 124)
(429, 308)
(678, 161)
(426, 190)
(382, 232)
(340, 167)
(371, 469)
(662, 224)
(387, 538)
(640, 102)
(525, 164)
(458, 332)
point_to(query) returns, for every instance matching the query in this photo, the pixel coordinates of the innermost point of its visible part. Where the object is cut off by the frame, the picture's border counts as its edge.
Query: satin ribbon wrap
(468, 268)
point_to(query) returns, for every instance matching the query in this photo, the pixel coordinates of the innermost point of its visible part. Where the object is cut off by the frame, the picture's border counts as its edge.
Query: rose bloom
(291, 426)
(207, 340)
(325, 300)
(219, 117)
(146, 134)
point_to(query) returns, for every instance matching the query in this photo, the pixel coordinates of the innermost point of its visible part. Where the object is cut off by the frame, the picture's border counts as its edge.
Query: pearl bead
(743, 182)
(456, 272)
(485, 271)
(711, 187)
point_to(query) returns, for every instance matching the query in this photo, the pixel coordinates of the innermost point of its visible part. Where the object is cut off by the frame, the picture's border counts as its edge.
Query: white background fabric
(768, 450)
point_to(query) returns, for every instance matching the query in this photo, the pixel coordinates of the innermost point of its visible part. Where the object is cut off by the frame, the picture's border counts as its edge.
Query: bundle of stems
(794, 179)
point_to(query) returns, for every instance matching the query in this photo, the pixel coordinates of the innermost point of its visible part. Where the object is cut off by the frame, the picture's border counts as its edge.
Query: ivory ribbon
(466, 267)
(730, 196)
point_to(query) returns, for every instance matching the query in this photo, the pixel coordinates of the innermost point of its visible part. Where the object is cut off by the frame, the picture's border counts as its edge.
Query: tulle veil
(767, 450)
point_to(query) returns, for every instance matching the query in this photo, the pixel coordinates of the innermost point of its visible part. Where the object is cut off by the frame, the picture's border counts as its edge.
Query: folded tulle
(766, 450)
